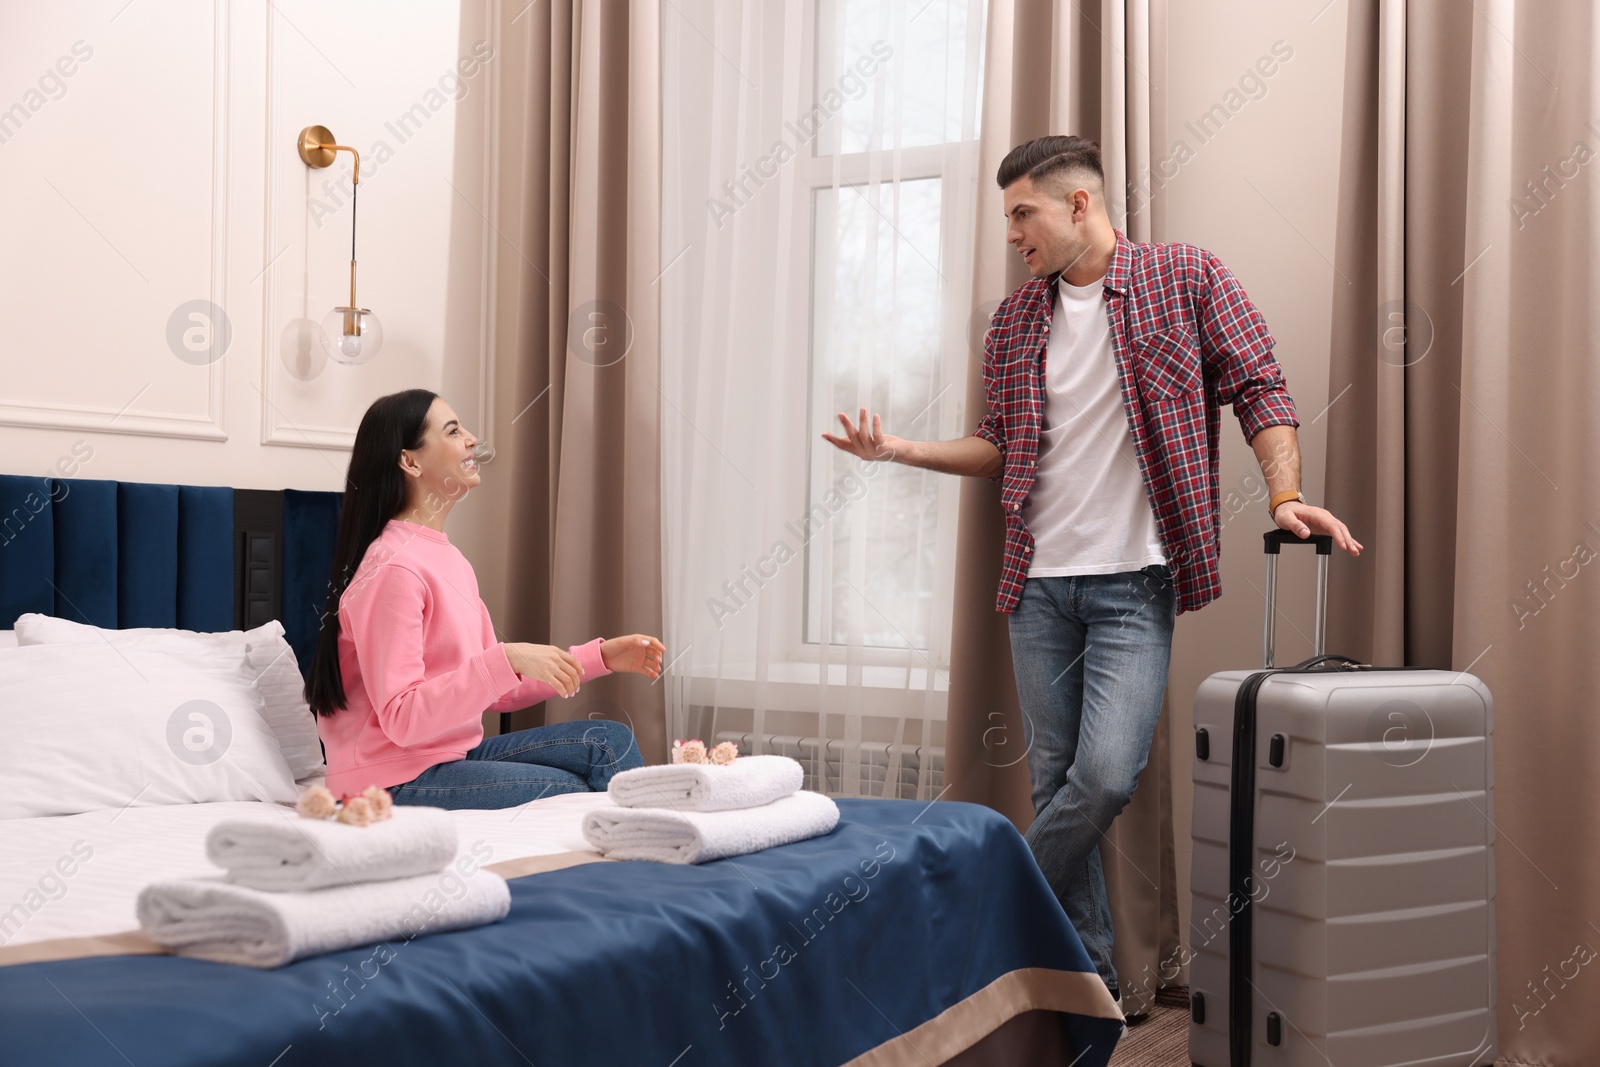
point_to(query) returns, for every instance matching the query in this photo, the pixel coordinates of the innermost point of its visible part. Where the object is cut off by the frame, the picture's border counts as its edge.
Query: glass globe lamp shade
(351, 335)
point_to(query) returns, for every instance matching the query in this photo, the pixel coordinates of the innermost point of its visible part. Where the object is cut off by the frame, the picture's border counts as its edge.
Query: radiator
(906, 772)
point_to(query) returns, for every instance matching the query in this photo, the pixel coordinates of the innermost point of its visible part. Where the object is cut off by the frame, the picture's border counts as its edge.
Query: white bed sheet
(130, 848)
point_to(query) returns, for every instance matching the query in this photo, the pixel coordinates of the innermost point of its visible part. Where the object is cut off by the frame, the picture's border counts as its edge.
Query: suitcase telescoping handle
(1273, 541)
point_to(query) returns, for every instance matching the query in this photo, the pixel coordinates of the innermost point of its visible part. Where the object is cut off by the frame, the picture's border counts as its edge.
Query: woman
(407, 661)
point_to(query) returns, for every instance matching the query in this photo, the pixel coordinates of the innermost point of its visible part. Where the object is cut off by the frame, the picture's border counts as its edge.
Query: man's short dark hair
(1058, 156)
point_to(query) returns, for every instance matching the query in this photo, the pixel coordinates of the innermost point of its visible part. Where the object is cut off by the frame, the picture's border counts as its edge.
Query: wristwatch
(1284, 498)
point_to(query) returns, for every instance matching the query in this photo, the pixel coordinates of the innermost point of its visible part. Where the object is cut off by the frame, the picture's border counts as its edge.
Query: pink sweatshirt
(420, 663)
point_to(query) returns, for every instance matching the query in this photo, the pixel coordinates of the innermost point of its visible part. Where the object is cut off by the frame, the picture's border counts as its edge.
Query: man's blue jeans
(524, 765)
(1090, 654)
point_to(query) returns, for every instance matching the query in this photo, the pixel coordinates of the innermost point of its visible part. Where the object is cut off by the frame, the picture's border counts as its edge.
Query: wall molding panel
(66, 413)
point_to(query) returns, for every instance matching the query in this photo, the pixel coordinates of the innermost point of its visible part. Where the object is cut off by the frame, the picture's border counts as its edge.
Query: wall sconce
(349, 334)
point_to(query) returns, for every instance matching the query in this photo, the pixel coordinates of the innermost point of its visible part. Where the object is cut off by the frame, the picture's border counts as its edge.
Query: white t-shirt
(1088, 509)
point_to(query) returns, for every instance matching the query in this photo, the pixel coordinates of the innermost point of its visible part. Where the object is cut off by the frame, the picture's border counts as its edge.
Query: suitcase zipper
(1241, 860)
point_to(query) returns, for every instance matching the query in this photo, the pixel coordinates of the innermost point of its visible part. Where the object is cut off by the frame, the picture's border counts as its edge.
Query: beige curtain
(585, 557)
(1464, 441)
(1083, 69)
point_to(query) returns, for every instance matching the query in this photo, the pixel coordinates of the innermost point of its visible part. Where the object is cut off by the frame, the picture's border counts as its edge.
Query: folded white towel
(212, 919)
(747, 782)
(668, 836)
(292, 853)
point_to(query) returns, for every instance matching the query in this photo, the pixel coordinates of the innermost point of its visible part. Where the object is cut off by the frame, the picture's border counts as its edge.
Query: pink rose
(316, 803)
(357, 811)
(724, 754)
(689, 751)
(382, 802)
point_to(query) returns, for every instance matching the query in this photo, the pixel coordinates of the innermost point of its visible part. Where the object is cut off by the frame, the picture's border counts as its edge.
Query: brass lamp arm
(318, 150)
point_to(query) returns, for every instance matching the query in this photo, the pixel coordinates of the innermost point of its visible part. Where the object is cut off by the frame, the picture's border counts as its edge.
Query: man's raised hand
(869, 444)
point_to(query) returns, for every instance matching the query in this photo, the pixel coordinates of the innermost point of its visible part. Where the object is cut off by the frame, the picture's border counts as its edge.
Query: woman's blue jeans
(1090, 654)
(515, 768)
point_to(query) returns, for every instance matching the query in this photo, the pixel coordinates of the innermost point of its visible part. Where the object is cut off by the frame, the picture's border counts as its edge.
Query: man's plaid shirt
(1187, 341)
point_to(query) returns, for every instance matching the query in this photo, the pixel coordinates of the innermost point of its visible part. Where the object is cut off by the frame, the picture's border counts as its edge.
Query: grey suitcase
(1343, 874)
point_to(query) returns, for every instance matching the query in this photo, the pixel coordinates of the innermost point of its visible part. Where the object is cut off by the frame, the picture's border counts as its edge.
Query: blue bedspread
(807, 954)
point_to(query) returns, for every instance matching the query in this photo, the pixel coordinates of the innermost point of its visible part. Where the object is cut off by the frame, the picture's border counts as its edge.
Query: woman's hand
(556, 667)
(635, 653)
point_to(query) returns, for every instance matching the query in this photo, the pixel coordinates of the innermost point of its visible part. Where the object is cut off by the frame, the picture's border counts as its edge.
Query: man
(1104, 377)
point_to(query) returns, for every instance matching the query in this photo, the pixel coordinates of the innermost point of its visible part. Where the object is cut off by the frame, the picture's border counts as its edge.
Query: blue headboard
(125, 554)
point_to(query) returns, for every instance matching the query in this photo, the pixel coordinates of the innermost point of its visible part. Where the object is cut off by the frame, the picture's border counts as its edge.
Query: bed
(911, 934)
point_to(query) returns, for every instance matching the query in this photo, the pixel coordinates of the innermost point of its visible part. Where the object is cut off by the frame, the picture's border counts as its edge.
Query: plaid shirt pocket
(1168, 364)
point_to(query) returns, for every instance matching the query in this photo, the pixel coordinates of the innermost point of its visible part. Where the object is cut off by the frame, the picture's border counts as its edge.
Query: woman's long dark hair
(375, 492)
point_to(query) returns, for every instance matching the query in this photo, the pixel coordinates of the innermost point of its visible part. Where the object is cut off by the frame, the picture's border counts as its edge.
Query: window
(888, 187)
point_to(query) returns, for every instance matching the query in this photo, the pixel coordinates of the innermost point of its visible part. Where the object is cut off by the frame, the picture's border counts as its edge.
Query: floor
(1162, 1039)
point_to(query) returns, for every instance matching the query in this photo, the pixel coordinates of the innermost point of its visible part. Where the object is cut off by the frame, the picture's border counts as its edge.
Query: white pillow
(93, 726)
(278, 673)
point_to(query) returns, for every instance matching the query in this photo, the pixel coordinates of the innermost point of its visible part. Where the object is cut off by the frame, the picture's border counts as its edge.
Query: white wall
(163, 170)
(1261, 192)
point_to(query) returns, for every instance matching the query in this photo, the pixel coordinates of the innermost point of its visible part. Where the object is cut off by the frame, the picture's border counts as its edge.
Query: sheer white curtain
(820, 180)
